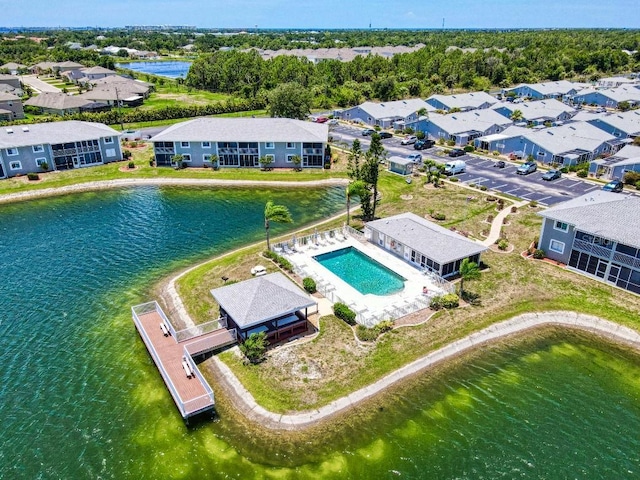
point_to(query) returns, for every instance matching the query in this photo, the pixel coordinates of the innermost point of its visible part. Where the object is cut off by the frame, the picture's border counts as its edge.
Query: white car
(409, 140)
(415, 157)
(333, 121)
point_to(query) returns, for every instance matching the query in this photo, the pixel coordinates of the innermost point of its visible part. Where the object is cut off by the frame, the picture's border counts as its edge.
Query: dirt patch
(125, 168)
(406, 197)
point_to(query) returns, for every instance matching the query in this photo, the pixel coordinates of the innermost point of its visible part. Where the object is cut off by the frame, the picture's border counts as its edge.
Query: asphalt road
(481, 171)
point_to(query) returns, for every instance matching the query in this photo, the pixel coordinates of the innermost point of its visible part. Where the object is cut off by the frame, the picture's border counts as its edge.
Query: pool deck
(370, 308)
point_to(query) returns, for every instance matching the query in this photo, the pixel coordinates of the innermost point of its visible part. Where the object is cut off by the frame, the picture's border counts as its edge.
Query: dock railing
(146, 308)
(200, 329)
(204, 401)
(154, 307)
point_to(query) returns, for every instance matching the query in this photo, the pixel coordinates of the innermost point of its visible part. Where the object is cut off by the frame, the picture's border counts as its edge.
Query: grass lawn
(333, 365)
(170, 93)
(141, 156)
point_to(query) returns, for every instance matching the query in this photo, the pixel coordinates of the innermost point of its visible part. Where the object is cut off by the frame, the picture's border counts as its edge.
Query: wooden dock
(173, 353)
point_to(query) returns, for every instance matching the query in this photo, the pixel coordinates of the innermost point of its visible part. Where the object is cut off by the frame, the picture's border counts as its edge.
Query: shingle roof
(618, 94)
(97, 70)
(245, 130)
(57, 101)
(627, 122)
(400, 160)
(8, 97)
(426, 237)
(398, 108)
(561, 87)
(478, 120)
(606, 214)
(465, 100)
(261, 299)
(574, 135)
(52, 133)
(550, 108)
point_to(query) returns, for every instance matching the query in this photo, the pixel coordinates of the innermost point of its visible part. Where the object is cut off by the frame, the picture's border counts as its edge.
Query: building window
(563, 227)
(40, 161)
(12, 151)
(206, 144)
(556, 246)
(290, 158)
(38, 149)
(15, 165)
(186, 158)
(108, 140)
(185, 145)
(269, 145)
(291, 145)
(271, 157)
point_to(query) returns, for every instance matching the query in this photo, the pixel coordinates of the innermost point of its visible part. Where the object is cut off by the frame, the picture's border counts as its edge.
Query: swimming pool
(361, 271)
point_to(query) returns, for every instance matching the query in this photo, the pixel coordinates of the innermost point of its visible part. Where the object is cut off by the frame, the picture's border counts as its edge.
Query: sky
(323, 13)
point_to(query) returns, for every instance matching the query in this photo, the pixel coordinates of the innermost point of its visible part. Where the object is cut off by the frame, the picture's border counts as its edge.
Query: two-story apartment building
(10, 107)
(598, 235)
(241, 142)
(56, 145)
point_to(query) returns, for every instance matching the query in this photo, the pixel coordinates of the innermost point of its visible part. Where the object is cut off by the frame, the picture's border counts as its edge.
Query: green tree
(370, 170)
(289, 100)
(468, 271)
(275, 213)
(297, 161)
(266, 161)
(353, 161)
(517, 115)
(254, 347)
(355, 188)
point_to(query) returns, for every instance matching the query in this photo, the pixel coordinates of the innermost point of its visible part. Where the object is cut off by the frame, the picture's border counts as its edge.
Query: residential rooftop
(605, 214)
(439, 243)
(245, 130)
(53, 133)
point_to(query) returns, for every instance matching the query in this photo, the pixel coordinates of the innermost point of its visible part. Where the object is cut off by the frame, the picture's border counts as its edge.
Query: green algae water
(80, 397)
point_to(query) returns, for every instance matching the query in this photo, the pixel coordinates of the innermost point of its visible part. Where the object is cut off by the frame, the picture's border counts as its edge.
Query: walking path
(244, 401)
(128, 182)
(496, 225)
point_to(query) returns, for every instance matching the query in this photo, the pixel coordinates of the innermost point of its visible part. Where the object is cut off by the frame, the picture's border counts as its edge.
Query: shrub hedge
(309, 284)
(343, 312)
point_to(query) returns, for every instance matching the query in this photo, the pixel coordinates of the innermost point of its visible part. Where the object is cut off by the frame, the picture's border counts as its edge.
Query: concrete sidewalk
(496, 225)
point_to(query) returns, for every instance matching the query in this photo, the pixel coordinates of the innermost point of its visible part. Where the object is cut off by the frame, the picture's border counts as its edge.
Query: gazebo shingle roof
(261, 299)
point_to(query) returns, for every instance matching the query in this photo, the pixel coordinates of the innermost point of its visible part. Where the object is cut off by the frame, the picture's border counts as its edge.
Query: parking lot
(480, 171)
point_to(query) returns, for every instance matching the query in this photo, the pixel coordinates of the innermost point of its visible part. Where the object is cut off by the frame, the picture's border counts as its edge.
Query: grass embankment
(333, 365)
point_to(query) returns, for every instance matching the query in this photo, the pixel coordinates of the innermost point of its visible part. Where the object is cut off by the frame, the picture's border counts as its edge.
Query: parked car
(552, 175)
(457, 152)
(385, 135)
(613, 186)
(322, 119)
(422, 144)
(409, 140)
(500, 164)
(456, 166)
(415, 157)
(334, 121)
(527, 168)
(368, 131)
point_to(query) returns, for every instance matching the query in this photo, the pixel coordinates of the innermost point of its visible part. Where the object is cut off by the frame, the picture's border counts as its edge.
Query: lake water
(164, 69)
(81, 398)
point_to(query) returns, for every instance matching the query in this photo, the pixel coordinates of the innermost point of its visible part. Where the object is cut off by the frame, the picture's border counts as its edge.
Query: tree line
(532, 57)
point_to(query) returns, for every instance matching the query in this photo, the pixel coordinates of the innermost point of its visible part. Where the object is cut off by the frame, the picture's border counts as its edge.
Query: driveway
(38, 84)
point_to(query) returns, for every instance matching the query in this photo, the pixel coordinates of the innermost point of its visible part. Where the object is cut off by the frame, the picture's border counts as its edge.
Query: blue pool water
(361, 272)
(164, 69)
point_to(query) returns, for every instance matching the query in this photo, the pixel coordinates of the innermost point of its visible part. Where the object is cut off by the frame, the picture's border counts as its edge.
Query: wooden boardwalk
(192, 394)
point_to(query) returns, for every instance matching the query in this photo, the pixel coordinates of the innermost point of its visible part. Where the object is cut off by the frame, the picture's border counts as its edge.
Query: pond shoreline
(133, 182)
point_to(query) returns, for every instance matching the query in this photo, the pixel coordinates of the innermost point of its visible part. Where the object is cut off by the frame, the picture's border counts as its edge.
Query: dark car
(422, 144)
(613, 186)
(368, 131)
(500, 164)
(552, 175)
(385, 134)
(457, 152)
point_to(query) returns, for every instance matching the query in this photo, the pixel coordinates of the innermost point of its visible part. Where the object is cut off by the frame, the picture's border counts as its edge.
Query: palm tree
(517, 115)
(468, 271)
(275, 213)
(354, 188)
